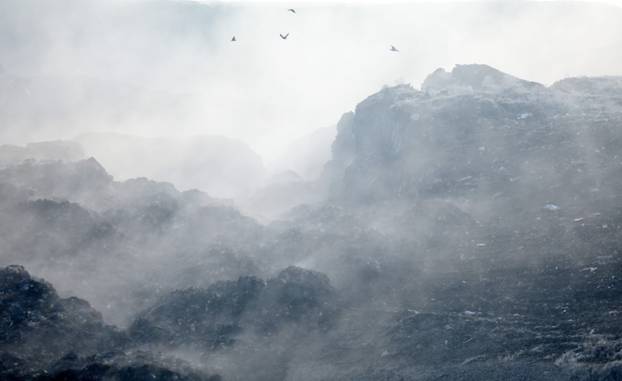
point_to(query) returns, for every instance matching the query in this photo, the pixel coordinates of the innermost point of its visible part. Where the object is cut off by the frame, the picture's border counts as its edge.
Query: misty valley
(467, 230)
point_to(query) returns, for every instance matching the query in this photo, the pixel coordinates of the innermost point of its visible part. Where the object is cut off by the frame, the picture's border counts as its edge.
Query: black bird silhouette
(284, 37)
(291, 10)
(233, 39)
(393, 49)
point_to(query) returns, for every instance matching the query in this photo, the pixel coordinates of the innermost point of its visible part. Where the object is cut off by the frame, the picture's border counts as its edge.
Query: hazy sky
(267, 91)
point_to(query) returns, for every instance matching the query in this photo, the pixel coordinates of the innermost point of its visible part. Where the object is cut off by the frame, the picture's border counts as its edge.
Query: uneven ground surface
(469, 230)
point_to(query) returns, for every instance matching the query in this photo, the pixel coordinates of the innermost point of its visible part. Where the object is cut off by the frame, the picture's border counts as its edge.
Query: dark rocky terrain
(470, 230)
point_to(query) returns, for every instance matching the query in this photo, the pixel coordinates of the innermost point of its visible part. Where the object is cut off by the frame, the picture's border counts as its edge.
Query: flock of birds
(284, 36)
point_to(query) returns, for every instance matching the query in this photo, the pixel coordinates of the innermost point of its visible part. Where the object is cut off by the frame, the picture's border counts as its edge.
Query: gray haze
(178, 206)
(466, 230)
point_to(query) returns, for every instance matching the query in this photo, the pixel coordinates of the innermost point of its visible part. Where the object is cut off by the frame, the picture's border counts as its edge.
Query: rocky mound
(37, 325)
(211, 318)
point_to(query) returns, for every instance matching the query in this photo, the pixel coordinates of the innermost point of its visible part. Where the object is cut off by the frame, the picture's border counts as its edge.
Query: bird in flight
(284, 36)
(393, 49)
(233, 39)
(291, 10)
